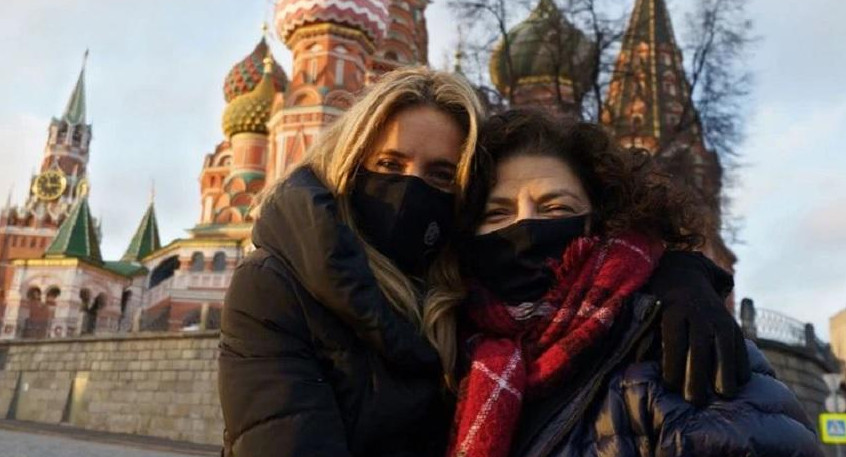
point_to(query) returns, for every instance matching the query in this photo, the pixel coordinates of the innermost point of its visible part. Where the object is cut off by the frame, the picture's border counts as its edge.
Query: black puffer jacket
(325, 371)
(620, 407)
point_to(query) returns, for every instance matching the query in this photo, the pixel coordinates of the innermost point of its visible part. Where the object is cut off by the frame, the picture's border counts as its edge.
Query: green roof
(125, 268)
(75, 111)
(77, 236)
(146, 239)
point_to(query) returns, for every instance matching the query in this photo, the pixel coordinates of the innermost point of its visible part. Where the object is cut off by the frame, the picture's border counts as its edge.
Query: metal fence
(766, 326)
(775, 326)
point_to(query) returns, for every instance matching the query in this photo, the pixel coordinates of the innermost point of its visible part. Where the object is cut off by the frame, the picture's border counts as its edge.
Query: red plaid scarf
(524, 350)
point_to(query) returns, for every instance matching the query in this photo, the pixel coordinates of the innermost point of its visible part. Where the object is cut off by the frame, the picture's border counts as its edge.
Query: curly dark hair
(626, 187)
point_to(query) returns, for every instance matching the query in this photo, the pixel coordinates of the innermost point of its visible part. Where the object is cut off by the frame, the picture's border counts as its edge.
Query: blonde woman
(322, 352)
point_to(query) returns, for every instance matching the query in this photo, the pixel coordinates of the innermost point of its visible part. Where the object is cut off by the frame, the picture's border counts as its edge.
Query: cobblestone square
(22, 444)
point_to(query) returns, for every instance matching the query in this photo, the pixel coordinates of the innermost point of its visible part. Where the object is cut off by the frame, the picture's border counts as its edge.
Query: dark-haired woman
(565, 232)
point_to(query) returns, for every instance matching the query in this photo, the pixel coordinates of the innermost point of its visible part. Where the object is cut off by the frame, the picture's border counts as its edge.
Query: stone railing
(768, 327)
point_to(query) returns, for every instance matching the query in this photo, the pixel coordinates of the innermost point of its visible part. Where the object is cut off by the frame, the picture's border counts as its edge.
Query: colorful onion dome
(369, 16)
(250, 112)
(542, 43)
(246, 74)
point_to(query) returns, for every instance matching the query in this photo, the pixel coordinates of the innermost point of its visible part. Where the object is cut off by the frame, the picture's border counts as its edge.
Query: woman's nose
(526, 209)
(415, 169)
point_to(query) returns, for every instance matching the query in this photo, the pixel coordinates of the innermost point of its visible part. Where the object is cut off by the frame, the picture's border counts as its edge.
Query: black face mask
(512, 262)
(404, 218)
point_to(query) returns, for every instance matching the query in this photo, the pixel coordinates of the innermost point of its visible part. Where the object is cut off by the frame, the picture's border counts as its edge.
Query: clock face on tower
(50, 185)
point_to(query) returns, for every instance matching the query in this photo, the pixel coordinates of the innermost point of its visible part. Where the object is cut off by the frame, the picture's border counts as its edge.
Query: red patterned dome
(369, 16)
(246, 74)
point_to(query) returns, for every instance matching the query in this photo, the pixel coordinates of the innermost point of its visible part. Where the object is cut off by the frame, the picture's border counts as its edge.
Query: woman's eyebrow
(394, 153)
(557, 193)
(501, 201)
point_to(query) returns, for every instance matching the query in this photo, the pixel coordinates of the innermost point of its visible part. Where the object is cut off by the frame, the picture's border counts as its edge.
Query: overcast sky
(155, 97)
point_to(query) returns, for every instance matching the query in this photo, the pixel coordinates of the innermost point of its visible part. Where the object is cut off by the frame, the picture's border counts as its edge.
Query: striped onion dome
(369, 16)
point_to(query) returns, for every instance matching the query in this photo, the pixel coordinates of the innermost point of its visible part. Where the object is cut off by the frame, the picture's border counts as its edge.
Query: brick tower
(333, 42)
(27, 230)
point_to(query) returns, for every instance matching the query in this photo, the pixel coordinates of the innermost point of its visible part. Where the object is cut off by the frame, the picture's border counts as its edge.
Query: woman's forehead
(521, 171)
(422, 132)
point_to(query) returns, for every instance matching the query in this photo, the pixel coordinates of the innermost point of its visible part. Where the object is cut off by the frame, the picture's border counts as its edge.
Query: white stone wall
(162, 385)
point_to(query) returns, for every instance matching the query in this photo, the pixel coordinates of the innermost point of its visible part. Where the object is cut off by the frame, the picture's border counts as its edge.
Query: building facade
(55, 282)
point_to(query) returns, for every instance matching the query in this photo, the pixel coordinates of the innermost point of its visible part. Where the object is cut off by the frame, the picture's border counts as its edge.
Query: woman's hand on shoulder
(703, 349)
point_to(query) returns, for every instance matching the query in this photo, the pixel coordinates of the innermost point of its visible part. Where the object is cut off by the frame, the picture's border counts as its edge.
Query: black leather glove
(703, 348)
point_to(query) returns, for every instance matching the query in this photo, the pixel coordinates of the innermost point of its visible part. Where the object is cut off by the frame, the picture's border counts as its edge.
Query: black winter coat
(325, 371)
(620, 407)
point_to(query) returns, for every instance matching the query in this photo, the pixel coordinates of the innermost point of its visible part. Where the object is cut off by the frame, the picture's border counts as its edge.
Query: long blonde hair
(341, 149)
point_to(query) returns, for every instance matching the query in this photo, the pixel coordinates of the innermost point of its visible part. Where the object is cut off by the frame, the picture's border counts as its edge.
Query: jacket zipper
(651, 313)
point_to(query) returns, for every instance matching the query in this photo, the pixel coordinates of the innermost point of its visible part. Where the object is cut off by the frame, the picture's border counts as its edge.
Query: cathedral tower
(236, 171)
(333, 42)
(649, 105)
(407, 40)
(27, 230)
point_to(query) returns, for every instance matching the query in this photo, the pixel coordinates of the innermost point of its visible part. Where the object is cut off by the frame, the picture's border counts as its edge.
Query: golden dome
(250, 112)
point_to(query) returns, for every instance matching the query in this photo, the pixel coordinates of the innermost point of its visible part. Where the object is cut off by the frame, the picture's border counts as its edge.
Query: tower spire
(9, 197)
(75, 110)
(649, 101)
(146, 238)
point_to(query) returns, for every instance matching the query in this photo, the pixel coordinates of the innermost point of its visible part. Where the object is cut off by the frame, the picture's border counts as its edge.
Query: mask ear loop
(588, 222)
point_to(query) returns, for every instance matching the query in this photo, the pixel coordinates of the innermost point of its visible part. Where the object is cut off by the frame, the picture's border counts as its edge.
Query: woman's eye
(495, 214)
(557, 210)
(442, 179)
(389, 165)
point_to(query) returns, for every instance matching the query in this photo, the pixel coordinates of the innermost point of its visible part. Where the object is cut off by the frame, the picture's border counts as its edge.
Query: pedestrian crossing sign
(833, 428)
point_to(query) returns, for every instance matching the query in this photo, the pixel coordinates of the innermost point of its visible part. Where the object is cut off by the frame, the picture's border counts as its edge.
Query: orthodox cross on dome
(649, 102)
(75, 110)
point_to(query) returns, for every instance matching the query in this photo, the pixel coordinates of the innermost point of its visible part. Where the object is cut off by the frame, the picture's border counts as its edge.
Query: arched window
(90, 319)
(198, 261)
(124, 304)
(339, 72)
(219, 261)
(164, 270)
(63, 133)
(84, 299)
(52, 294)
(311, 76)
(33, 294)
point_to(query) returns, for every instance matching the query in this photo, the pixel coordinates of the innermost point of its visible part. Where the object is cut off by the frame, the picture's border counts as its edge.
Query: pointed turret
(75, 111)
(77, 236)
(146, 239)
(649, 102)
